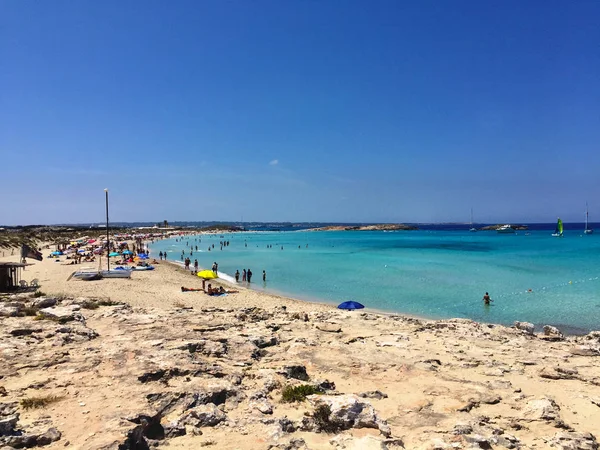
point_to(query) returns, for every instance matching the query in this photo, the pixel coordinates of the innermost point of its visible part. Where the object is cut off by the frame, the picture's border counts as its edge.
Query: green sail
(559, 226)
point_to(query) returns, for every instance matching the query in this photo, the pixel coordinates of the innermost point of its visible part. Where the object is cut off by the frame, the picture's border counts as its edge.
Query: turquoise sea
(430, 273)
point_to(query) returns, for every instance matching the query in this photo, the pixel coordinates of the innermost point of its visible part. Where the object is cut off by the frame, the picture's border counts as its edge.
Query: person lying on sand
(218, 291)
(184, 289)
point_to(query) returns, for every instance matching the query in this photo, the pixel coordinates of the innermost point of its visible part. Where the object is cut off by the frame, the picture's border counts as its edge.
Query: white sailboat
(587, 230)
(472, 229)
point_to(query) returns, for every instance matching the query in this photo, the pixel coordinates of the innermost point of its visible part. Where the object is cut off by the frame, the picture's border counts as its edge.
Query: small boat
(587, 230)
(506, 229)
(558, 232)
(472, 228)
(91, 277)
(85, 273)
(116, 273)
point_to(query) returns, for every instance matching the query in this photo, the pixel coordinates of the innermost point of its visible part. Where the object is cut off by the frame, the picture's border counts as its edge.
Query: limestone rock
(350, 411)
(542, 409)
(50, 436)
(553, 332)
(43, 302)
(62, 313)
(203, 416)
(345, 442)
(584, 350)
(574, 441)
(525, 326)
(373, 394)
(558, 373)
(329, 327)
(8, 425)
(296, 372)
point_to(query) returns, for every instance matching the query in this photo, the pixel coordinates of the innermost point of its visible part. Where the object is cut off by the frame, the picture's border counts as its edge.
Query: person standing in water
(244, 275)
(264, 276)
(486, 299)
(249, 274)
(237, 276)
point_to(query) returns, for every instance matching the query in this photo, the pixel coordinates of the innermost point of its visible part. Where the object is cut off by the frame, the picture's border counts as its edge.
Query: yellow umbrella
(207, 274)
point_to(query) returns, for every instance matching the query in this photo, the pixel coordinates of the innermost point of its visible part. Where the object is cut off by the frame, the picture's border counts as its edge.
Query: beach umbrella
(91, 241)
(350, 305)
(207, 274)
(111, 254)
(81, 250)
(56, 253)
(128, 252)
(142, 255)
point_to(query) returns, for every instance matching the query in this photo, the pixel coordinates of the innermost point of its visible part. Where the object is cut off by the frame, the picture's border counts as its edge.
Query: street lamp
(107, 237)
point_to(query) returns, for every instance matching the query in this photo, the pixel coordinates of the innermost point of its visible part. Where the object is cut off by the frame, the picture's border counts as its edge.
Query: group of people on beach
(162, 255)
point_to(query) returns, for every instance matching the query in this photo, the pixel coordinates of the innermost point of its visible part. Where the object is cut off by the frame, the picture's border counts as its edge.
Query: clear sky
(408, 111)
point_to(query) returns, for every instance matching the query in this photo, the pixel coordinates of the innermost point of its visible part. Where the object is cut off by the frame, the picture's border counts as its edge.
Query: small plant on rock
(39, 402)
(291, 394)
(323, 420)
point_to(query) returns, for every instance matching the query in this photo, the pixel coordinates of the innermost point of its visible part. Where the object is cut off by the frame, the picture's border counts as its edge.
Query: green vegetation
(28, 311)
(62, 321)
(39, 402)
(323, 420)
(89, 305)
(291, 394)
(39, 294)
(108, 302)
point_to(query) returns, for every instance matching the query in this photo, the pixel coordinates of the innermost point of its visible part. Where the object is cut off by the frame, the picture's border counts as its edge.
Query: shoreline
(567, 330)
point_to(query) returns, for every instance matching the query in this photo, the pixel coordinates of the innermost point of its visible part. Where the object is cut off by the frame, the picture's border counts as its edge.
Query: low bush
(39, 402)
(291, 394)
(323, 420)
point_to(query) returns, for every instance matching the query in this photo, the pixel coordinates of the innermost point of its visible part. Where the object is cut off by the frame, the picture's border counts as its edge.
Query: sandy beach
(215, 369)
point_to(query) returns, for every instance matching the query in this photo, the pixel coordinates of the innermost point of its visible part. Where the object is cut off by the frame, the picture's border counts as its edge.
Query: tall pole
(107, 236)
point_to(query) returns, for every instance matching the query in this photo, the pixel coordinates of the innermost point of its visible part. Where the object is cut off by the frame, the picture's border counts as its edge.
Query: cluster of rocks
(207, 373)
(12, 436)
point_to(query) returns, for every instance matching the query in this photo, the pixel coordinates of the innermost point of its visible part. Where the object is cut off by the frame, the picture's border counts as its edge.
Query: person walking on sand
(160, 255)
(196, 265)
(165, 255)
(486, 299)
(244, 275)
(264, 276)
(237, 276)
(249, 275)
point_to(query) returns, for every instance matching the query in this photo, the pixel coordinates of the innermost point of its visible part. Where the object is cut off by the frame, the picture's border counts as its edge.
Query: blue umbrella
(350, 305)
(128, 252)
(143, 256)
(112, 254)
(56, 253)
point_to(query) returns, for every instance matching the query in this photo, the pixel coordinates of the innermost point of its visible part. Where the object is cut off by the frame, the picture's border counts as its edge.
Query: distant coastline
(378, 227)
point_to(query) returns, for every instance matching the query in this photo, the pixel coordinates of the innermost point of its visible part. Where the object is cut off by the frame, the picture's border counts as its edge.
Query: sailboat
(472, 227)
(587, 230)
(558, 232)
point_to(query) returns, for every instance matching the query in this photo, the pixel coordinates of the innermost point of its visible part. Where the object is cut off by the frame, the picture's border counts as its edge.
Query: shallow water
(437, 274)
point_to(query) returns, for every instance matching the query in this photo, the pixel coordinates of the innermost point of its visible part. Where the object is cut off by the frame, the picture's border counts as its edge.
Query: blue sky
(300, 110)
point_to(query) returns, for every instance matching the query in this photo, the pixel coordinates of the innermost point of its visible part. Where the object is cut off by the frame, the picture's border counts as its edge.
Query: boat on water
(587, 230)
(506, 229)
(558, 232)
(472, 228)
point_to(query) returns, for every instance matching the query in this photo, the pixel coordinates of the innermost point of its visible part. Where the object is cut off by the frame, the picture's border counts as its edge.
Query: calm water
(438, 274)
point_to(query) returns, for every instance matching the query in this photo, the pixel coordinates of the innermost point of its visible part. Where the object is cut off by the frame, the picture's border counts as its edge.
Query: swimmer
(487, 299)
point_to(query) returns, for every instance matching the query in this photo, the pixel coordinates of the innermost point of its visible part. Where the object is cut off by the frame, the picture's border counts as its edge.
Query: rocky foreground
(91, 374)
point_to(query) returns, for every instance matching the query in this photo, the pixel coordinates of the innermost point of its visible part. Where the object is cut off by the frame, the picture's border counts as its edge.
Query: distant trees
(165, 223)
